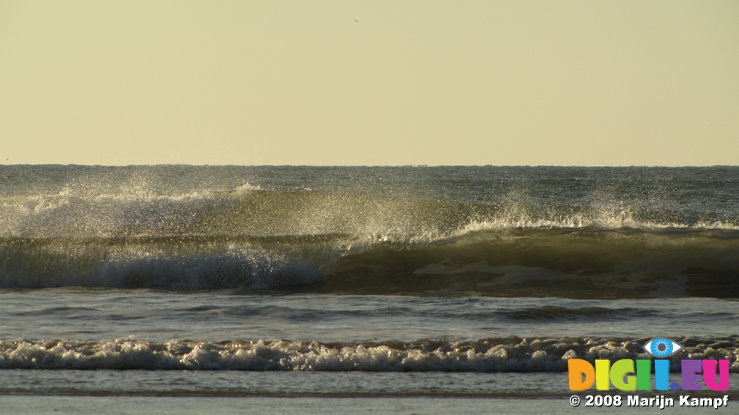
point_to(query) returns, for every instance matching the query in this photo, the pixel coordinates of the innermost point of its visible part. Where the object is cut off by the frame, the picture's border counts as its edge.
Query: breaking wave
(511, 354)
(135, 234)
(550, 262)
(540, 262)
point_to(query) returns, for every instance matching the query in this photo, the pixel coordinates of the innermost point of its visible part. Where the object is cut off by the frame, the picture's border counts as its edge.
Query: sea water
(432, 289)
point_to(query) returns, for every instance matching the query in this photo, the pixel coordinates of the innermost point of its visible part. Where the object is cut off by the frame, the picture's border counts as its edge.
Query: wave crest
(250, 210)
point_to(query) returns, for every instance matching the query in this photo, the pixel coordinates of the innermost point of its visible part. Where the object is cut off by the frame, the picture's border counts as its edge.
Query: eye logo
(662, 347)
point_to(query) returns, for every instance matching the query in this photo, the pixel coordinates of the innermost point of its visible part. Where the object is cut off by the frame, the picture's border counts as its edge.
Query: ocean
(289, 289)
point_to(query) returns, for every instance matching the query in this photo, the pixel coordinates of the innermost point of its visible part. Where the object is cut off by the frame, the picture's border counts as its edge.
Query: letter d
(581, 374)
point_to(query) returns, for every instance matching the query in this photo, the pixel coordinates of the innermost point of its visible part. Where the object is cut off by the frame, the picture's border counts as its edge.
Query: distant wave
(511, 354)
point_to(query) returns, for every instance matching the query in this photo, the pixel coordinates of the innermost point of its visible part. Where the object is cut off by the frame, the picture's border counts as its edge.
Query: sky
(398, 82)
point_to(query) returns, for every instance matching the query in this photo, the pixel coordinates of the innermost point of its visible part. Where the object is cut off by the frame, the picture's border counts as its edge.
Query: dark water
(372, 269)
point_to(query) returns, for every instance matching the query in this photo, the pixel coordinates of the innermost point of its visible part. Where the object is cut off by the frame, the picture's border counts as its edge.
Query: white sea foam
(622, 220)
(484, 355)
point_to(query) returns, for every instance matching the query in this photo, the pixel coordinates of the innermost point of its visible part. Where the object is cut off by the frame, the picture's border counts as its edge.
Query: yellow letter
(601, 377)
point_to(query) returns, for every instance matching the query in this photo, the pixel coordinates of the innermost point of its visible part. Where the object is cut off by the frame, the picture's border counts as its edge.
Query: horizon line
(373, 165)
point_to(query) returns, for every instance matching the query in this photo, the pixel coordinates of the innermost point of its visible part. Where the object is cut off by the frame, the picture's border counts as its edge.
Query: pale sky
(373, 82)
